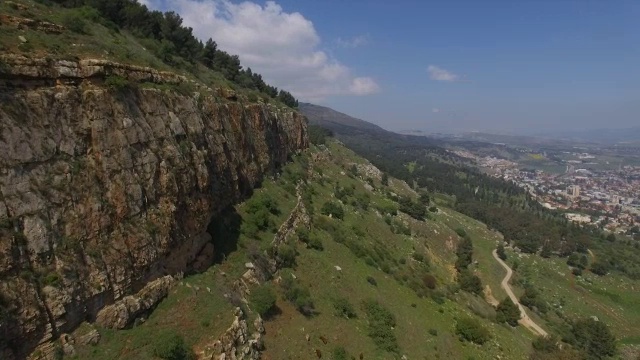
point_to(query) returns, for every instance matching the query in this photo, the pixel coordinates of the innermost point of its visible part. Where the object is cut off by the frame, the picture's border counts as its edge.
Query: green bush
(117, 83)
(433, 332)
(263, 299)
(298, 295)
(501, 253)
(372, 281)
(287, 255)
(469, 329)
(470, 282)
(51, 279)
(461, 232)
(593, 337)
(75, 22)
(438, 297)
(599, 268)
(333, 209)
(312, 241)
(381, 322)
(508, 312)
(169, 345)
(343, 308)
(339, 353)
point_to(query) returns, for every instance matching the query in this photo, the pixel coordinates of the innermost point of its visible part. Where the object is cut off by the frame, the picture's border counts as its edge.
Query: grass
(613, 299)
(336, 278)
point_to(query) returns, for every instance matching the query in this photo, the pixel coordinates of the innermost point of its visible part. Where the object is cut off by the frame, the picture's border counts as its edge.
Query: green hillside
(350, 271)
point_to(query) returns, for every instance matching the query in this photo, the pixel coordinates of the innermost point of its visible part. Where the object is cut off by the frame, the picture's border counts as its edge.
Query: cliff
(106, 189)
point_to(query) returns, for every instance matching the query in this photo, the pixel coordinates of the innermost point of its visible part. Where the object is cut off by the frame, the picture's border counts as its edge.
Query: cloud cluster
(283, 47)
(440, 74)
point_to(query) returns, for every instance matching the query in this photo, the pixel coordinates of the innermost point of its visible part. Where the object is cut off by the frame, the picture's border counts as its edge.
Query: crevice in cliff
(225, 232)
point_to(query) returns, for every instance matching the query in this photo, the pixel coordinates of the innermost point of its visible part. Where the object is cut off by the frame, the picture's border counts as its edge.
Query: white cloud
(283, 47)
(439, 74)
(435, 110)
(353, 42)
(363, 86)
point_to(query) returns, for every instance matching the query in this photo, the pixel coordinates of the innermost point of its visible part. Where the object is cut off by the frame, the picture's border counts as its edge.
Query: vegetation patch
(381, 324)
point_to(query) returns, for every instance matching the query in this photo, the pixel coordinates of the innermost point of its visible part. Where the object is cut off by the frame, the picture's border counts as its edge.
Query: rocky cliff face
(103, 191)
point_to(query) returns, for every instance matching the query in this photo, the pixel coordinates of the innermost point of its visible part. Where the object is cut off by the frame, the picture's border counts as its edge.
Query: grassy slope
(202, 316)
(613, 299)
(98, 42)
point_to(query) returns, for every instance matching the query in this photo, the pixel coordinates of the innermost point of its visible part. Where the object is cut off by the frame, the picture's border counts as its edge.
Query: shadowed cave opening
(225, 232)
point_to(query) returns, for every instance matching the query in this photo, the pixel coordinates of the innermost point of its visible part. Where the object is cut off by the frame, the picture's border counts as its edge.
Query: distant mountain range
(337, 121)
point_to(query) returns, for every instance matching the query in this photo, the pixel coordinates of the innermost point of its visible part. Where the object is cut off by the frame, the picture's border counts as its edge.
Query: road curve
(525, 320)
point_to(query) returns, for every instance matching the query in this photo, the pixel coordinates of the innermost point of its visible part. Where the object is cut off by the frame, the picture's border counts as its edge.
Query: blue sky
(509, 66)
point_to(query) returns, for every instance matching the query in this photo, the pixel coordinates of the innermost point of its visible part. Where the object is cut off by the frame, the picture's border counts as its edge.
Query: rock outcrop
(236, 343)
(103, 191)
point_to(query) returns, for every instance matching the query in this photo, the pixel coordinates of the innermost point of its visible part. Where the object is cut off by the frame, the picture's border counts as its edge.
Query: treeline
(501, 205)
(467, 280)
(176, 42)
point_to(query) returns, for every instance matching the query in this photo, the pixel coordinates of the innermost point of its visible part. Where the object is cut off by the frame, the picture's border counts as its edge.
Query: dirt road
(525, 320)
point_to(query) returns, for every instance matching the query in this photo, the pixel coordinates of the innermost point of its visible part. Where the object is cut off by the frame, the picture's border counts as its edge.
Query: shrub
(263, 299)
(461, 232)
(315, 243)
(332, 209)
(339, 353)
(318, 135)
(531, 299)
(75, 22)
(501, 253)
(469, 329)
(418, 257)
(343, 308)
(433, 209)
(51, 279)
(312, 241)
(594, 337)
(433, 332)
(470, 282)
(298, 295)
(169, 345)
(508, 312)
(381, 322)
(429, 281)
(117, 83)
(372, 281)
(599, 268)
(287, 255)
(438, 297)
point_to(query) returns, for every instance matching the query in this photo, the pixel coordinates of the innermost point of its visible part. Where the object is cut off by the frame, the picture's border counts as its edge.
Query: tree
(500, 251)
(209, 53)
(508, 312)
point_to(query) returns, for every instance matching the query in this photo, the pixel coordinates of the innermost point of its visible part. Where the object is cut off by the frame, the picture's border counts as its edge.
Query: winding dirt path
(525, 320)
